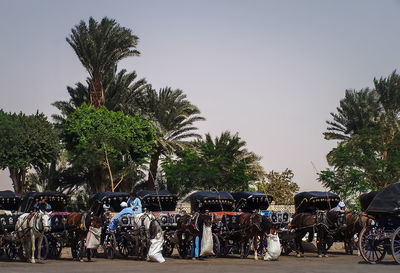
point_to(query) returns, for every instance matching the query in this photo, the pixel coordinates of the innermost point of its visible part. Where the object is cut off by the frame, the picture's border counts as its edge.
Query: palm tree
(99, 47)
(172, 116)
(358, 110)
(122, 91)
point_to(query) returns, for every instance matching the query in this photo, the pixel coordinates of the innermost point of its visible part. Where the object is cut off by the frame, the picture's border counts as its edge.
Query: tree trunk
(18, 178)
(98, 179)
(153, 170)
(96, 93)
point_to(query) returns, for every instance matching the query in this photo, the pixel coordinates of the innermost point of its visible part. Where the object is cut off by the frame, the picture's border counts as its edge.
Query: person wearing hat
(339, 208)
(114, 221)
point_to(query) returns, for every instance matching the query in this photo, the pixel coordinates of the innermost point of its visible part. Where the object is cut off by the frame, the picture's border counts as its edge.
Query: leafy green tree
(99, 139)
(172, 116)
(99, 47)
(26, 141)
(280, 186)
(367, 126)
(222, 163)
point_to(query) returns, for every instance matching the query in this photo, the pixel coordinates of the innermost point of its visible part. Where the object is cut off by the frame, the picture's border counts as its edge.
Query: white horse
(149, 228)
(29, 227)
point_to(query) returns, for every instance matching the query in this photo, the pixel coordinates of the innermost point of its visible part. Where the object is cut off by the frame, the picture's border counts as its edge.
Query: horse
(78, 228)
(355, 221)
(253, 226)
(188, 228)
(301, 224)
(31, 227)
(328, 225)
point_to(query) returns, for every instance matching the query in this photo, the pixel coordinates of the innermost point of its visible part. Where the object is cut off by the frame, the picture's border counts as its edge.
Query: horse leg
(255, 244)
(33, 239)
(243, 242)
(320, 244)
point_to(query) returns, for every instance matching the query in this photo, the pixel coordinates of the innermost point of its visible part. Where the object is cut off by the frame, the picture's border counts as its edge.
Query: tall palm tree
(358, 110)
(99, 47)
(122, 91)
(172, 116)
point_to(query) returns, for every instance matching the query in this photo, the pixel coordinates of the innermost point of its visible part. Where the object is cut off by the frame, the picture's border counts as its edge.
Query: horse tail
(311, 236)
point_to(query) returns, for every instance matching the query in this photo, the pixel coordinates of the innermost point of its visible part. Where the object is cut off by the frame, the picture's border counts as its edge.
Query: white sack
(273, 248)
(155, 250)
(207, 242)
(93, 238)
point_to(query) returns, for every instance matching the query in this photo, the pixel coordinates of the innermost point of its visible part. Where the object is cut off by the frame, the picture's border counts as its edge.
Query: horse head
(44, 220)
(206, 219)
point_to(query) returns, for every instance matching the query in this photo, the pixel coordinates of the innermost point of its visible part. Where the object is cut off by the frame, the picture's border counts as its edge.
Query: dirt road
(334, 263)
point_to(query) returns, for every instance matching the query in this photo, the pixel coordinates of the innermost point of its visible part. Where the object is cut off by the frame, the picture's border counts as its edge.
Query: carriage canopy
(250, 201)
(112, 199)
(161, 200)
(212, 201)
(387, 201)
(56, 200)
(9, 200)
(366, 199)
(310, 201)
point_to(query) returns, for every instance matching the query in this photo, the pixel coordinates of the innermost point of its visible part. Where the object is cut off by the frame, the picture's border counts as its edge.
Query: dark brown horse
(188, 227)
(355, 221)
(300, 225)
(253, 226)
(78, 228)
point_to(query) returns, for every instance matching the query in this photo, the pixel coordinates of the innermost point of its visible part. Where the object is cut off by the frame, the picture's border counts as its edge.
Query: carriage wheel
(124, 248)
(11, 250)
(168, 247)
(55, 249)
(371, 248)
(110, 246)
(395, 242)
(216, 245)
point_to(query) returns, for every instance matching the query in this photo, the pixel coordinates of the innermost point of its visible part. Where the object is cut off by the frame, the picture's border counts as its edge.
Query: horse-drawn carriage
(9, 205)
(312, 213)
(133, 233)
(56, 238)
(383, 235)
(162, 204)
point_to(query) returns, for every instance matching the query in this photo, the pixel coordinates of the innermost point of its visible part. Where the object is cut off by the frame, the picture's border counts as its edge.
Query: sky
(271, 71)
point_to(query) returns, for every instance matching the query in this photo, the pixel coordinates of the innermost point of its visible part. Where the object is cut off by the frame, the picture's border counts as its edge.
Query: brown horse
(300, 225)
(78, 227)
(356, 221)
(188, 227)
(253, 226)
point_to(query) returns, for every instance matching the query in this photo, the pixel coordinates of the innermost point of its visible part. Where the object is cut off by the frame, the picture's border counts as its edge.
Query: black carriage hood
(310, 201)
(386, 201)
(9, 200)
(161, 200)
(366, 199)
(249, 201)
(112, 199)
(212, 201)
(56, 200)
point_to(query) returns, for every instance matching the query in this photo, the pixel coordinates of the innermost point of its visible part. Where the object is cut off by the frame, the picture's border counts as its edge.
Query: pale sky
(270, 70)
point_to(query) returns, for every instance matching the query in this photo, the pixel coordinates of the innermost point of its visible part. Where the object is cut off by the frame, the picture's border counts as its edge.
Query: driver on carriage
(114, 221)
(134, 203)
(339, 208)
(42, 205)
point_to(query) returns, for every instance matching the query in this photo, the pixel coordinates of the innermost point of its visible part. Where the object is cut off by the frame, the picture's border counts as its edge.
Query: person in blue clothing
(42, 205)
(114, 221)
(135, 203)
